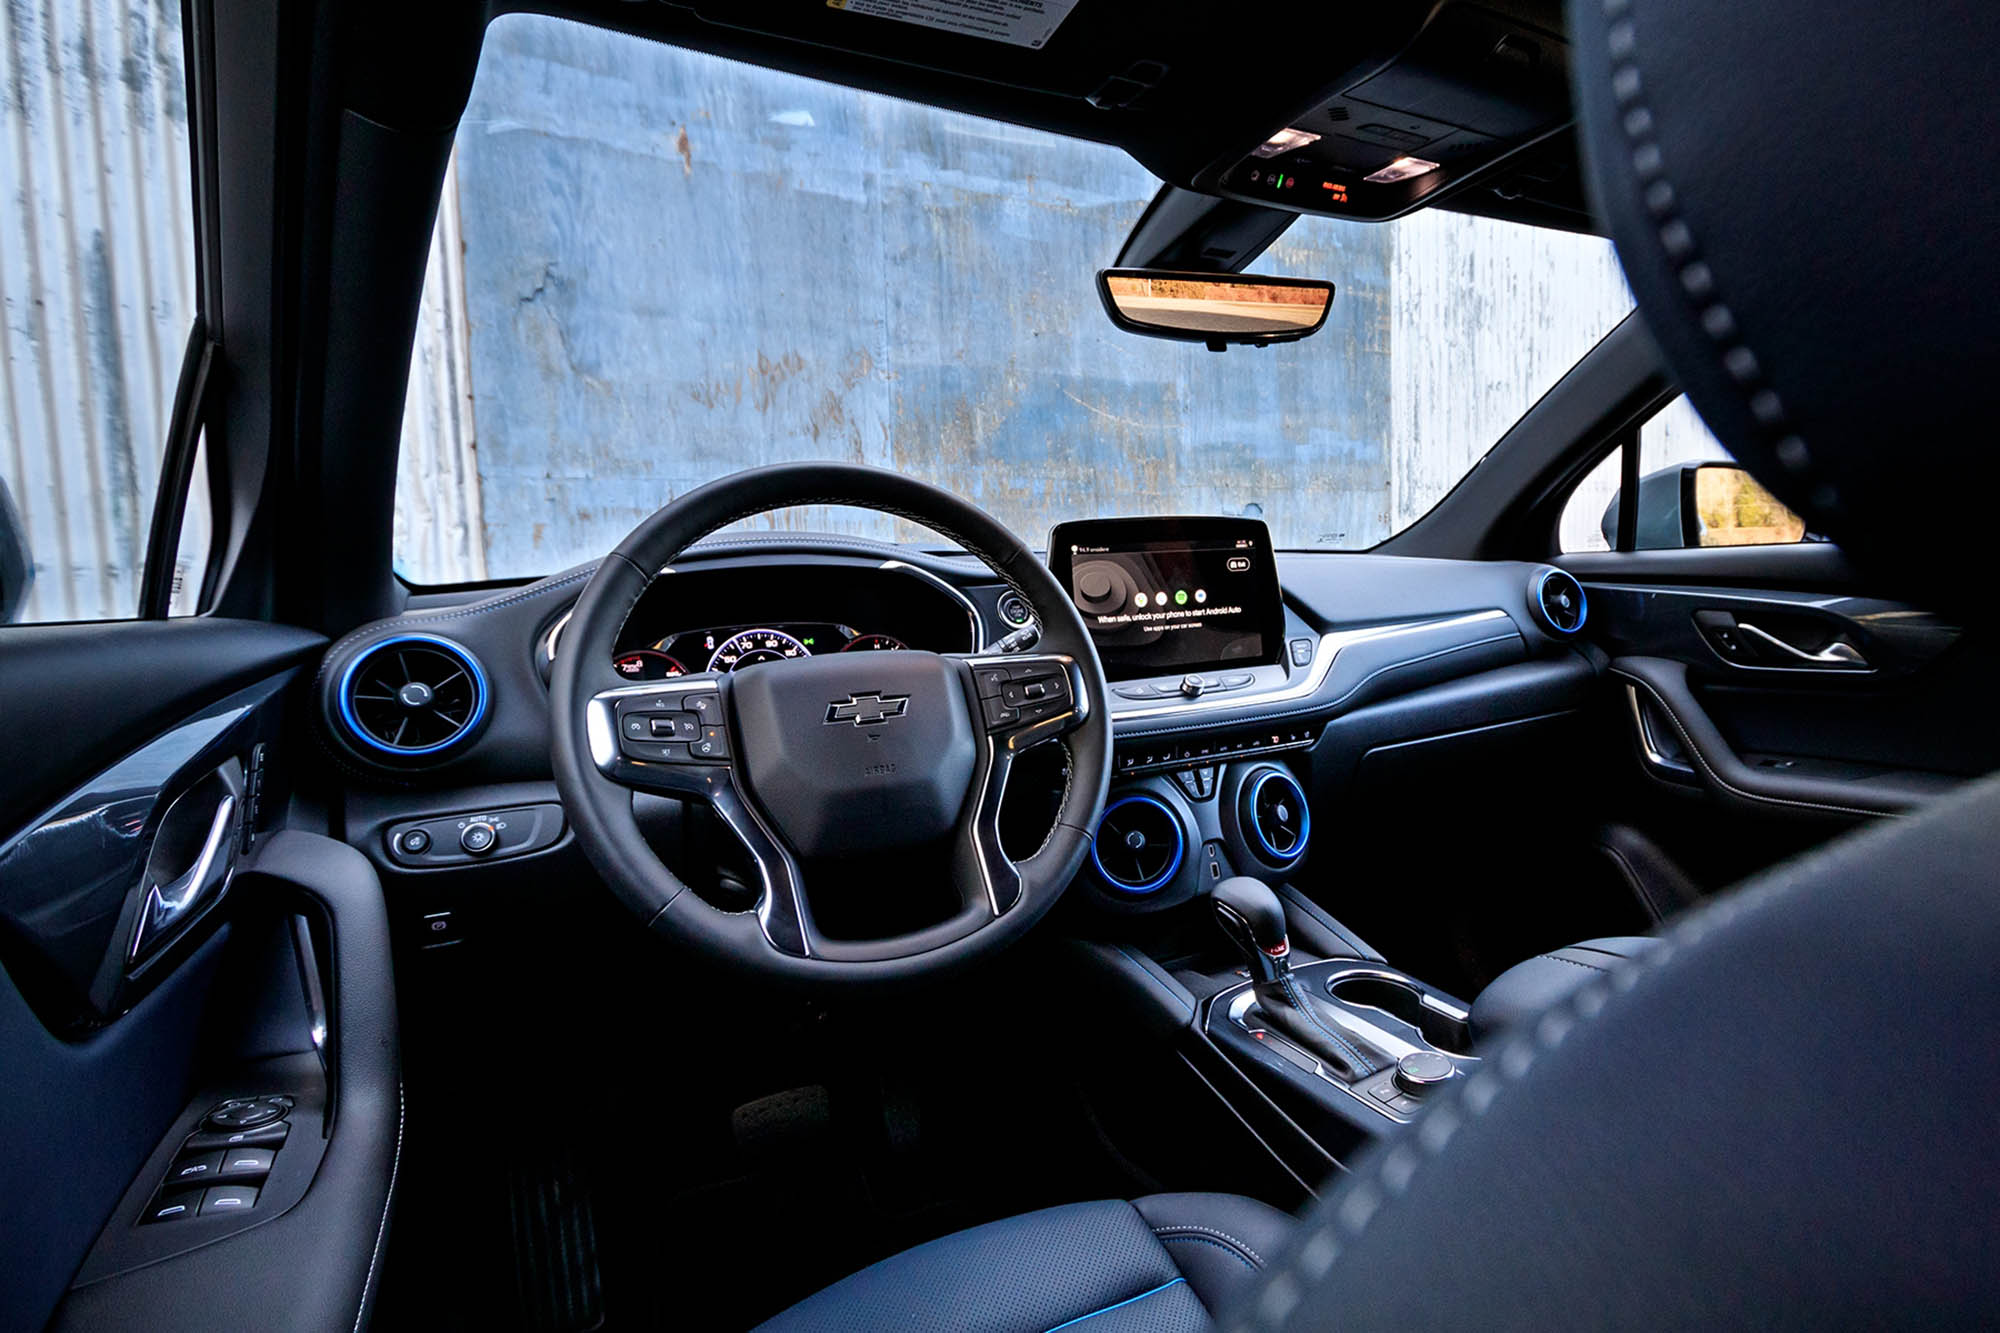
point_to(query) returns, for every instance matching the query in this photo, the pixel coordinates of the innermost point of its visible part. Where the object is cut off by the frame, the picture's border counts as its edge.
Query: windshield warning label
(1016, 22)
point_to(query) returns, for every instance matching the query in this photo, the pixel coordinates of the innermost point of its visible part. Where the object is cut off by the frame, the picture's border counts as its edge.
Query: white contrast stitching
(1256, 1258)
(1681, 247)
(1313, 1258)
(382, 1229)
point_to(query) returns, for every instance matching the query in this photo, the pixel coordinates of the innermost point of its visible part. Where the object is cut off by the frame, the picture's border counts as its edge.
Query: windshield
(653, 267)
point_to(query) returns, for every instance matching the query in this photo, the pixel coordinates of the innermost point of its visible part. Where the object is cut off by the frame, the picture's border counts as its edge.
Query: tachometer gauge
(646, 664)
(752, 646)
(873, 643)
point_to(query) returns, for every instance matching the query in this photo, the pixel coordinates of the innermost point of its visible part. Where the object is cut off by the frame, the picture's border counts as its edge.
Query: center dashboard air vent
(410, 698)
(1139, 845)
(1275, 814)
(1558, 602)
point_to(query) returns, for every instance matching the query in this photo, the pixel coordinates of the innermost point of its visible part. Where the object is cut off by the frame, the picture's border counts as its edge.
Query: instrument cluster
(728, 647)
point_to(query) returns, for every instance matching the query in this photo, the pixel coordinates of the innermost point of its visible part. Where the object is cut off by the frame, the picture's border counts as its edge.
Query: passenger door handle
(1839, 655)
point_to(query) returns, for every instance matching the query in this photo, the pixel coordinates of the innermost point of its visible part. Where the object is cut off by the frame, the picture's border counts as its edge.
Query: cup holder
(1403, 1001)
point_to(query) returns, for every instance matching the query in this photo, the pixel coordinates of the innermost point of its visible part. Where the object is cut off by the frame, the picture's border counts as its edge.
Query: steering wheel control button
(674, 726)
(712, 744)
(413, 842)
(228, 1199)
(1420, 1071)
(706, 705)
(243, 1113)
(478, 838)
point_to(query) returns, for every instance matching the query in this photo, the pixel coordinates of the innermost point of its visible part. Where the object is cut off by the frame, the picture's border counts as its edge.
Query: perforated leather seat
(1161, 1264)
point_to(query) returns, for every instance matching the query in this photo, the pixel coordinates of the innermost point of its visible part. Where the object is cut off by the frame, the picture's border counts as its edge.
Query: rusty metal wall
(96, 285)
(674, 267)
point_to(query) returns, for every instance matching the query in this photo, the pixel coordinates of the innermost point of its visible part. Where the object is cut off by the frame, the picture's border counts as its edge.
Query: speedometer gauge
(752, 646)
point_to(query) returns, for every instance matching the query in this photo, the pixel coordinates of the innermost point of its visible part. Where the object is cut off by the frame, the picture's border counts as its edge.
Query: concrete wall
(674, 267)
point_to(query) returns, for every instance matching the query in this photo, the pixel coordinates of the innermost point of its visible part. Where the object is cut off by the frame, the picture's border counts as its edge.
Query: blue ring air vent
(1559, 602)
(412, 695)
(1277, 814)
(1139, 845)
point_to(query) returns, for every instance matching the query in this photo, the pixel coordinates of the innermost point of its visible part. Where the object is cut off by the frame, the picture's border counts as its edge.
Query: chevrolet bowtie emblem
(867, 710)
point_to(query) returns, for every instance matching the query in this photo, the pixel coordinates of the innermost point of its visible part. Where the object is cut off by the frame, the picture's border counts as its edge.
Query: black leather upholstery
(1160, 1265)
(1783, 1117)
(1780, 180)
(1527, 988)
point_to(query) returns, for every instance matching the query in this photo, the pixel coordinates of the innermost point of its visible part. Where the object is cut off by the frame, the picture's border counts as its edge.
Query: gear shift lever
(1253, 918)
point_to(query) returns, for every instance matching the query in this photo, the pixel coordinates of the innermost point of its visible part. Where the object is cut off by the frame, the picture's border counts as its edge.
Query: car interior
(1151, 921)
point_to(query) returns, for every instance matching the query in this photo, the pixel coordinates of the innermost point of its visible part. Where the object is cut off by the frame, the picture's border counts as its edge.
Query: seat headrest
(1804, 196)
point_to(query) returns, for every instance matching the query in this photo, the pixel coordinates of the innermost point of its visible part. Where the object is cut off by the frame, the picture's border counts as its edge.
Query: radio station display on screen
(1172, 595)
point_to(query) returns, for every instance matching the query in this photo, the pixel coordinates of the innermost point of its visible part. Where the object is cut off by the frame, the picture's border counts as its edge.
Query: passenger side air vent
(1139, 845)
(1558, 602)
(411, 696)
(1275, 815)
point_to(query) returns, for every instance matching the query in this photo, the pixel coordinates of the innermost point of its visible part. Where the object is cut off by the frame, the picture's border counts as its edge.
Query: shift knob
(1253, 918)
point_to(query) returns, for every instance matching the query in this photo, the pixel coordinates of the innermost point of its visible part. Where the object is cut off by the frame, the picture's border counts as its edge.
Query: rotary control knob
(1192, 686)
(478, 837)
(1420, 1071)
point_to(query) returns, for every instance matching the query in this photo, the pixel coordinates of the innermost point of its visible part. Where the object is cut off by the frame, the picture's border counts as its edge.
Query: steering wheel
(835, 756)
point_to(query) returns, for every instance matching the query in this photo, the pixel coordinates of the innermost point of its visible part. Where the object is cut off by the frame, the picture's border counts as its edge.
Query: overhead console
(1474, 87)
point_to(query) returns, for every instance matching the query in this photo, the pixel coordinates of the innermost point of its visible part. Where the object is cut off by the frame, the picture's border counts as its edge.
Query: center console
(1217, 692)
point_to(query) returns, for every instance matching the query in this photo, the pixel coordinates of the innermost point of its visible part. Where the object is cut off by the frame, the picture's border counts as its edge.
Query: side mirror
(1214, 308)
(17, 566)
(1706, 504)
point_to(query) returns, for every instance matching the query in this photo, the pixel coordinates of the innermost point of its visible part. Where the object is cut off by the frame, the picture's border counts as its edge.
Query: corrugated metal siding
(96, 285)
(439, 523)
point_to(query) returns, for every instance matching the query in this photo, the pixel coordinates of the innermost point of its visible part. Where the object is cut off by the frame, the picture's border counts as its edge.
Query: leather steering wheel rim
(599, 805)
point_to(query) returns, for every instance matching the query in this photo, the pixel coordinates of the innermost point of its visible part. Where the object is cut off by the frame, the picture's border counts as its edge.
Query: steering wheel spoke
(672, 737)
(1021, 701)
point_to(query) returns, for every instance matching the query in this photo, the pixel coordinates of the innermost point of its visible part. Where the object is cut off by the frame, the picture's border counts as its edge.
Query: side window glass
(97, 293)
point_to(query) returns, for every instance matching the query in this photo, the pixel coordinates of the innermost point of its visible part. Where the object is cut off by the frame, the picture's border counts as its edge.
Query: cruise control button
(228, 1199)
(707, 706)
(657, 752)
(714, 744)
(638, 726)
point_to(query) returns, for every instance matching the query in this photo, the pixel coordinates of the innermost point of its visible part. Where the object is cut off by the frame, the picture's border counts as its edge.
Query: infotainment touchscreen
(1165, 595)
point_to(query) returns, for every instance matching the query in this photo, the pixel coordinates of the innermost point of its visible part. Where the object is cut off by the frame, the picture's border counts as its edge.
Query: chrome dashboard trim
(1324, 655)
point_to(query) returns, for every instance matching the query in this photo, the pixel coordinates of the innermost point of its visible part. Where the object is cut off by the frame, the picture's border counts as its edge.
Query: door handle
(167, 904)
(1839, 655)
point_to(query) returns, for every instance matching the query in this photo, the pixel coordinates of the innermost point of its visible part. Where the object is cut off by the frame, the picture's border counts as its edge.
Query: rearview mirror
(1214, 308)
(1706, 504)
